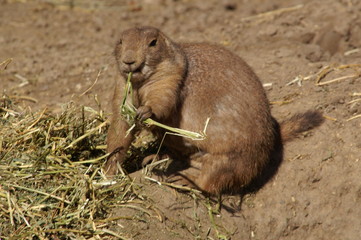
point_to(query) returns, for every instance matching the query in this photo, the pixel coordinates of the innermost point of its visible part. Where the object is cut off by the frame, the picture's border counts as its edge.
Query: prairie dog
(182, 85)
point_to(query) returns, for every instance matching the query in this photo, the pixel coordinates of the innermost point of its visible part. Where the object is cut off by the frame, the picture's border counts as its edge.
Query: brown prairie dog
(182, 85)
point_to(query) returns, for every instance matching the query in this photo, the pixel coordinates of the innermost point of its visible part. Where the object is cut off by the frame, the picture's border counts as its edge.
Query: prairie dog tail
(299, 123)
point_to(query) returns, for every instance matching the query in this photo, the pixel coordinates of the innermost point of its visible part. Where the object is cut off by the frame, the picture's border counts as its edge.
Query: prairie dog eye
(153, 43)
(120, 41)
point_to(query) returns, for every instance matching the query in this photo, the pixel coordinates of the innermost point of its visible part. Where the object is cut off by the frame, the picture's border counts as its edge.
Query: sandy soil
(59, 48)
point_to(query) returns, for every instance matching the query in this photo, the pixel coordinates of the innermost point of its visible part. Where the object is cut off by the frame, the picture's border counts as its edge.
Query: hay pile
(51, 183)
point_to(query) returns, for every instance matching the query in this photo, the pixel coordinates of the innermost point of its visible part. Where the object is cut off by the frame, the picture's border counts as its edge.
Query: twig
(37, 120)
(40, 192)
(354, 117)
(326, 70)
(63, 230)
(352, 52)
(136, 208)
(272, 13)
(92, 160)
(337, 79)
(11, 112)
(299, 80)
(181, 132)
(89, 132)
(24, 98)
(353, 101)
(5, 63)
(11, 210)
(172, 185)
(280, 102)
(95, 81)
(330, 118)
(112, 233)
(24, 80)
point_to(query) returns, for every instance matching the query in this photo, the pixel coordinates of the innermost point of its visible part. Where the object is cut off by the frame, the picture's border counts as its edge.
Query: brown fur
(184, 84)
(299, 123)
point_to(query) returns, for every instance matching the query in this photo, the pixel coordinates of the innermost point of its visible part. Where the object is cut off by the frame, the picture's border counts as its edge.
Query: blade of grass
(40, 192)
(128, 111)
(88, 133)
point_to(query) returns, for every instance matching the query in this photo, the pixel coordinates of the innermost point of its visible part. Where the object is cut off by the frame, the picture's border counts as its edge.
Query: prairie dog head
(140, 50)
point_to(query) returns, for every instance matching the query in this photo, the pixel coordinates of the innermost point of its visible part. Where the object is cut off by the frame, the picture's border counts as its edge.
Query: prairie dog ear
(165, 39)
(168, 43)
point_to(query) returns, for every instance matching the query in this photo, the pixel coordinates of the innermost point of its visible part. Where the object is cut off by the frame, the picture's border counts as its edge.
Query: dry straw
(51, 183)
(321, 80)
(328, 69)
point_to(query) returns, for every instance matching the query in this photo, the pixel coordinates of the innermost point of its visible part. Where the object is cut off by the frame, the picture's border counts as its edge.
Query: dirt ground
(58, 48)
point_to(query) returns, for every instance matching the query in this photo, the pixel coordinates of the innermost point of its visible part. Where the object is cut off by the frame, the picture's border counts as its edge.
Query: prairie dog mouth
(137, 74)
(138, 70)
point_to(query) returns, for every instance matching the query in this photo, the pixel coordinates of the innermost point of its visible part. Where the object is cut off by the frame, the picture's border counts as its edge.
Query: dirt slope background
(58, 48)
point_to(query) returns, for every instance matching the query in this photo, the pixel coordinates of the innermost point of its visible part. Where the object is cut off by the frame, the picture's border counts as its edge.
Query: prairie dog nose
(129, 57)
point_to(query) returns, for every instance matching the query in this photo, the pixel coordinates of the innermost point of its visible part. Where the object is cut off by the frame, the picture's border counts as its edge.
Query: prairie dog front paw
(144, 112)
